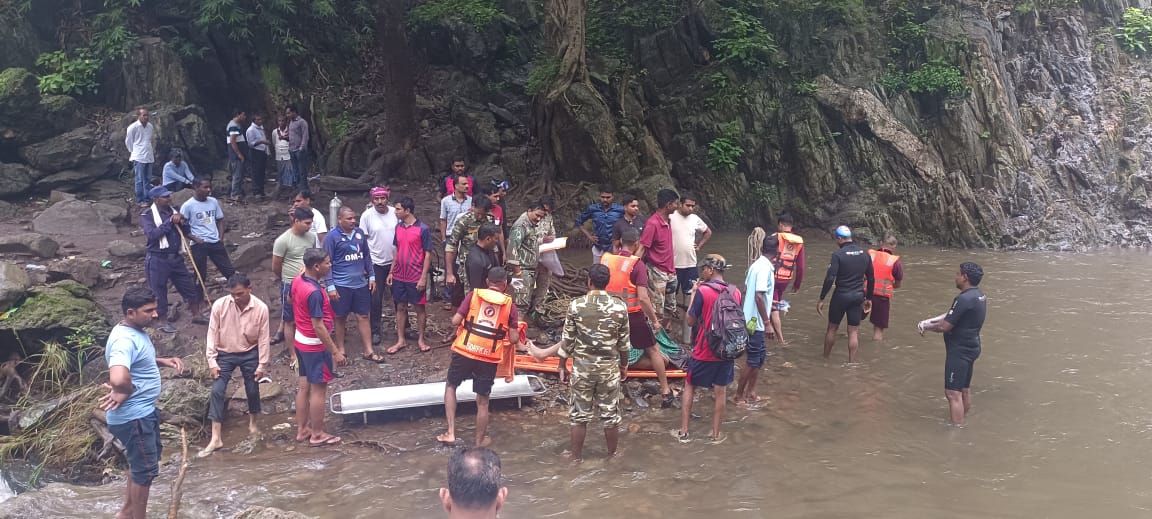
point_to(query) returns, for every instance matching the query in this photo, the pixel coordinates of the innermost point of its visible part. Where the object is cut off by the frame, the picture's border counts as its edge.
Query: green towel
(667, 346)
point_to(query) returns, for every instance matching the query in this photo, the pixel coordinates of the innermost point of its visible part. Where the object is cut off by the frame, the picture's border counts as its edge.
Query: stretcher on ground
(552, 365)
(422, 395)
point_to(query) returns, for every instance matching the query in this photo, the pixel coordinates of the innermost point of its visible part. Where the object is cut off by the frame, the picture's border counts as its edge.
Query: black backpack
(727, 332)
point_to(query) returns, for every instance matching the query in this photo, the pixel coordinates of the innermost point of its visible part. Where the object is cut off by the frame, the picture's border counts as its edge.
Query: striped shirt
(413, 242)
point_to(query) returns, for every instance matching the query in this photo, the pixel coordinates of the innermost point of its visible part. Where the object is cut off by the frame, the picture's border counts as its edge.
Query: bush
(68, 76)
(724, 151)
(543, 73)
(934, 77)
(477, 13)
(745, 42)
(1135, 34)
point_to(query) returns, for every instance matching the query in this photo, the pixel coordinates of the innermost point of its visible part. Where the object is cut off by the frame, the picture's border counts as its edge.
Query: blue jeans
(142, 172)
(300, 164)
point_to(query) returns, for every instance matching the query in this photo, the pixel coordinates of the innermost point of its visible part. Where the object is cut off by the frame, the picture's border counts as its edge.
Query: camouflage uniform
(462, 238)
(596, 334)
(546, 228)
(524, 250)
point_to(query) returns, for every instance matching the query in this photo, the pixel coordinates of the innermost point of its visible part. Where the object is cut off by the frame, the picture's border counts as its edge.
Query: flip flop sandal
(331, 440)
(374, 357)
(264, 380)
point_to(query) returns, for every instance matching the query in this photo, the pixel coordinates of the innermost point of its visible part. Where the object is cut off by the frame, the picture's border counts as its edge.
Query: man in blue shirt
(162, 263)
(134, 379)
(352, 280)
(604, 216)
(177, 174)
(206, 218)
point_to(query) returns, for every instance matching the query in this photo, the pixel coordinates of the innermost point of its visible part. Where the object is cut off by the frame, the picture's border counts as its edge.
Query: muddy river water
(1060, 425)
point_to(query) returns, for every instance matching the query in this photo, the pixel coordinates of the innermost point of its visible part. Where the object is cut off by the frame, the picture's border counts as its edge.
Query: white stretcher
(421, 395)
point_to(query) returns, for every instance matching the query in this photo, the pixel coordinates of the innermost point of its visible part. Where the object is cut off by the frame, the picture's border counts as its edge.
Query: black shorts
(483, 374)
(142, 447)
(686, 279)
(958, 372)
(851, 305)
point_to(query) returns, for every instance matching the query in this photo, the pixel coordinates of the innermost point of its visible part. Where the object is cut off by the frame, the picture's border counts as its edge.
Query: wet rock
(479, 126)
(85, 271)
(54, 311)
(184, 397)
(8, 210)
(56, 196)
(151, 70)
(65, 151)
(73, 178)
(126, 249)
(15, 179)
(341, 184)
(72, 217)
(251, 254)
(18, 93)
(263, 512)
(182, 196)
(29, 243)
(14, 284)
(268, 390)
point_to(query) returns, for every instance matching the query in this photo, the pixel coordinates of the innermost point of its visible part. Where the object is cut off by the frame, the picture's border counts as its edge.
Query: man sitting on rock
(237, 338)
(162, 226)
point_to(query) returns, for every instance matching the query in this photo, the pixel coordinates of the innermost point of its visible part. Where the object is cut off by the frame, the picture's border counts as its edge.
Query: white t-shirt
(381, 230)
(319, 225)
(761, 275)
(684, 229)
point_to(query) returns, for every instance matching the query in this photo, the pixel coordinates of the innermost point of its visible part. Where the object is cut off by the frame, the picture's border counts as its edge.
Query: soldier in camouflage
(524, 251)
(596, 339)
(459, 242)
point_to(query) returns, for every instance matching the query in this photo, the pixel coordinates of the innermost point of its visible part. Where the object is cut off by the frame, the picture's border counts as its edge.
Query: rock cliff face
(1047, 146)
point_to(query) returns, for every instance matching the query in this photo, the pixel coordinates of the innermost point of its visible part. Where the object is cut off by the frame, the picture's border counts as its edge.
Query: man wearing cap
(177, 175)
(379, 223)
(162, 226)
(961, 328)
(850, 269)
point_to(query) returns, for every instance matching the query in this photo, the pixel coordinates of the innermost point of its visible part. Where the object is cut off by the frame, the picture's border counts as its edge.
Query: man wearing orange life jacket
(789, 268)
(487, 323)
(889, 273)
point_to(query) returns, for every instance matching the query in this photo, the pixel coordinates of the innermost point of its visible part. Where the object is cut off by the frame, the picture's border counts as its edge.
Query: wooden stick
(207, 298)
(176, 491)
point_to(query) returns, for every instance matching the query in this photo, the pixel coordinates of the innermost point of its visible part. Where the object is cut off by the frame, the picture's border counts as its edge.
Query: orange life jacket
(791, 247)
(620, 284)
(882, 263)
(481, 335)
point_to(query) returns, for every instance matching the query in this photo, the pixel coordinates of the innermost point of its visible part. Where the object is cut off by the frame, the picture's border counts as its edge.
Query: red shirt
(309, 300)
(412, 243)
(657, 242)
(497, 214)
(450, 183)
(701, 309)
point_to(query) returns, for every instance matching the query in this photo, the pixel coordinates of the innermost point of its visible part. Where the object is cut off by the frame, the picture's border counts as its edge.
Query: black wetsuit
(963, 342)
(850, 269)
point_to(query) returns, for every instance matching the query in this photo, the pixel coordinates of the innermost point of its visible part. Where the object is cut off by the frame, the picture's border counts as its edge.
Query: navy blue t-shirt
(967, 318)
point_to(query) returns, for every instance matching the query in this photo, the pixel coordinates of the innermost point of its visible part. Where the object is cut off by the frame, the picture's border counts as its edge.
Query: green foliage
(725, 150)
(936, 77)
(477, 13)
(1135, 34)
(723, 94)
(745, 42)
(294, 27)
(985, 135)
(804, 88)
(341, 125)
(765, 195)
(68, 76)
(1024, 8)
(543, 74)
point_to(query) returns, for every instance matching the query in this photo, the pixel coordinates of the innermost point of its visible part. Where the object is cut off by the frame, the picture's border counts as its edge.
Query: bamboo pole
(174, 509)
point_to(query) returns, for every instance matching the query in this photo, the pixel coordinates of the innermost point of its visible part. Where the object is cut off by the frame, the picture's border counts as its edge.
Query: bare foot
(401, 344)
(449, 439)
(303, 434)
(212, 446)
(484, 442)
(424, 346)
(253, 430)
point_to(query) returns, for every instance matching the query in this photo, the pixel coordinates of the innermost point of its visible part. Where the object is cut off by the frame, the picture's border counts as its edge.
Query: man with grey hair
(474, 489)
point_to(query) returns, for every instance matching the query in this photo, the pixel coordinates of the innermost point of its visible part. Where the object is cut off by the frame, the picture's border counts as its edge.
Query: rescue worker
(461, 238)
(524, 251)
(889, 272)
(851, 271)
(485, 319)
(789, 268)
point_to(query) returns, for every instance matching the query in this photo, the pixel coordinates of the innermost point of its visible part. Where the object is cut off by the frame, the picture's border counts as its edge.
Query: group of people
(249, 148)
(645, 275)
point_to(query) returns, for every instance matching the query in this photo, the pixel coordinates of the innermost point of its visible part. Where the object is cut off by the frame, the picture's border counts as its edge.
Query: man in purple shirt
(352, 280)
(656, 249)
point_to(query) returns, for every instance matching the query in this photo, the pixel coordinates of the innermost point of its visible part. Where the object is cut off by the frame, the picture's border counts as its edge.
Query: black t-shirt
(622, 224)
(967, 317)
(477, 265)
(849, 269)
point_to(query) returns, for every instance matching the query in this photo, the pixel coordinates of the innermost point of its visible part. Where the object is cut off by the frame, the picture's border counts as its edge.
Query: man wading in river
(315, 349)
(849, 269)
(134, 383)
(961, 328)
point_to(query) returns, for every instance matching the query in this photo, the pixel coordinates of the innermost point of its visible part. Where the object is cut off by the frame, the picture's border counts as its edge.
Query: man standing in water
(849, 269)
(485, 319)
(315, 349)
(134, 379)
(656, 243)
(474, 490)
(961, 328)
(789, 264)
(889, 273)
(757, 305)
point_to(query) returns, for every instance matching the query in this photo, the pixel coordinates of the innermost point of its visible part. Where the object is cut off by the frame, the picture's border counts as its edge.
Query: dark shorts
(851, 305)
(640, 331)
(316, 365)
(483, 374)
(686, 278)
(757, 351)
(710, 373)
(880, 307)
(958, 371)
(778, 288)
(352, 301)
(286, 314)
(141, 439)
(408, 293)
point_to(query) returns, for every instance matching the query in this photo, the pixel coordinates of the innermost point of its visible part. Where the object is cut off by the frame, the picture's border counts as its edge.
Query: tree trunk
(564, 38)
(399, 71)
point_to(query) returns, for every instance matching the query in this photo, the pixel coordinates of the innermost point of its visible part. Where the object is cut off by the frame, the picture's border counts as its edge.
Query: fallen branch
(176, 491)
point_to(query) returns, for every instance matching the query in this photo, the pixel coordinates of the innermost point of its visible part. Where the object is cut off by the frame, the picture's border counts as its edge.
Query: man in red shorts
(315, 349)
(889, 272)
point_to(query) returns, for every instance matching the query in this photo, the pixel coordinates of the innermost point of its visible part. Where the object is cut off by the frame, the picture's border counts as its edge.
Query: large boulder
(66, 151)
(126, 249)
(151, 70)
(85, 271)
(29, 243)
(54, 311)
(184, 397)
(14, 284)
(25, 116)
(478, 124)
(16, 179)
(183, 127)
(19, 92)
(251, 254)
(72, 217)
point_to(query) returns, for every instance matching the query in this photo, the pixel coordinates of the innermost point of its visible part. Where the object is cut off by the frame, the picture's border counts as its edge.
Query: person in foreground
(961, 328)
(474, 490)
(134, 384)
(315, 348)
(850, 269)
(705, 370)
(596, 337)
(238, 337)
(485, 318)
